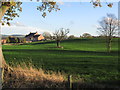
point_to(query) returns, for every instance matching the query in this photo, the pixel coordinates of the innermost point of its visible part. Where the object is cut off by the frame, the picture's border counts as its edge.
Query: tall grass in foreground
(29, 77)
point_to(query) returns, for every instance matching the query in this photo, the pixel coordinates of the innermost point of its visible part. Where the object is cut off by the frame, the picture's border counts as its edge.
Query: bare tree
(60, 35)
(47, 35)
(108, 28)
(71, 37)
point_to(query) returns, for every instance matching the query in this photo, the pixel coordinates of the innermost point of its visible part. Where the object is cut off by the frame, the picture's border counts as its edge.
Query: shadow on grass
(95, 86)
(65, 51)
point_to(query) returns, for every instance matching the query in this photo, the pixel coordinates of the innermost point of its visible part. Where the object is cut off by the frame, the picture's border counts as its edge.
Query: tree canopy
(14, 7)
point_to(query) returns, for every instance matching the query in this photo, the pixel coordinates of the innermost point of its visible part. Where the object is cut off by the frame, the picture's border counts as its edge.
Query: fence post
(70, 82)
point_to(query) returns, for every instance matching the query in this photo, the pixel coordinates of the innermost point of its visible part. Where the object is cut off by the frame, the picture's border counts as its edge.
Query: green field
(83, 58)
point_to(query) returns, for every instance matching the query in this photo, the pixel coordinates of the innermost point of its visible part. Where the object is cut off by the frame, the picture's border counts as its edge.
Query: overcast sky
(79, 17)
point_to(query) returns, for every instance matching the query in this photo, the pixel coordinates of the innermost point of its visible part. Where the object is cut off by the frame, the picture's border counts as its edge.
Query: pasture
(82, 58)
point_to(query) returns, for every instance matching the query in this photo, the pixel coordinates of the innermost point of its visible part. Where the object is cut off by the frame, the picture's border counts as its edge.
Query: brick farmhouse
(31, 37)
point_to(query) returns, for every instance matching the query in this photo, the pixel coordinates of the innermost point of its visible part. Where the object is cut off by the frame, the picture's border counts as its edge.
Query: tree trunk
(3, 65)
(109, 40)
(2, 60)
(3, 9)
(58, 44)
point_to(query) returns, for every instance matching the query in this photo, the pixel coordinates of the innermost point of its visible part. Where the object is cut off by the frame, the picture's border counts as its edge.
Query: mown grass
(83, 58)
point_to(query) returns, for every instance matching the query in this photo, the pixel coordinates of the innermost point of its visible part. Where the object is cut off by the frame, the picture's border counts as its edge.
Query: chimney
(36, 33)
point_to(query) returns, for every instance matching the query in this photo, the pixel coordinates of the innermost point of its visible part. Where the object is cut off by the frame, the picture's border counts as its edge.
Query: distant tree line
(12, 39)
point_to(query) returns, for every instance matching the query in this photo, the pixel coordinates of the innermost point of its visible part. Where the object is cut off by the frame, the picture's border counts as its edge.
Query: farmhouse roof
(36, 35)
(31, 34)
